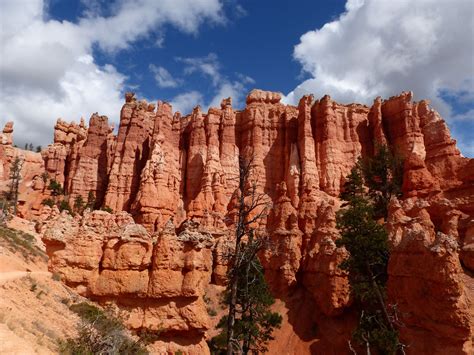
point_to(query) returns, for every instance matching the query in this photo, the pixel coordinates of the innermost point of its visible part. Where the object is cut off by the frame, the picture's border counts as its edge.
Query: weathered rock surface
(32, 166)
(90, 170)
(165, 169)
(157, 281)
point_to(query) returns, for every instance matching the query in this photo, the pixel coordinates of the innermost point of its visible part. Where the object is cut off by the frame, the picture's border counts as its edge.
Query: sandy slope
(34, 311)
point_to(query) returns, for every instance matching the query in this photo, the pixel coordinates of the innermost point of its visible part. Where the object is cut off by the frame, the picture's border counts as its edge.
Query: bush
(99, 333)
(64, 205)
(48, 202)
(45, 177)
(148, 336)
(56, 188)
(79, 204)
(107, 209)
(24, 243)
(211, 311)
(90, 200)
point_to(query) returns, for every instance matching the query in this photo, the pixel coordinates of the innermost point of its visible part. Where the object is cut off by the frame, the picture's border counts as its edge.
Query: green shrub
(64, 205)
(211, 311)
(99, 333)
(107, 209)
(56, 188)
(48, 202)
(17, 241)
(148, 336)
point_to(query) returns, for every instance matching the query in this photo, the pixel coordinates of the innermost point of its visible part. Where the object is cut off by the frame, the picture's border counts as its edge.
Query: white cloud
(47, 67)
(236, 90)
(208, 66)
(185, 102)
(245, 79)
(385, 47)
(163, 77)
(135, 19)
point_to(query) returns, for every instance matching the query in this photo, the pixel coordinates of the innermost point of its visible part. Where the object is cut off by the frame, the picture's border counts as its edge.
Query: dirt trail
(34, 310)
(13, 275)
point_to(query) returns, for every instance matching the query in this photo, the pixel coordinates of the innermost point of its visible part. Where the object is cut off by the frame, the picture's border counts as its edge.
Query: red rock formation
(131, 153)
(157, 285)
(432, 292)
(90, 171)
(32, 166)
(59, 158)
(164, 169)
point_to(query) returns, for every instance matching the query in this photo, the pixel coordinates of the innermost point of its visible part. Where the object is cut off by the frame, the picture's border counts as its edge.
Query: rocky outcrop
(90, 171)
(32, 167)
(131, 153)
(433, 294)
(165, 169)
(60, 157)
(157, 281)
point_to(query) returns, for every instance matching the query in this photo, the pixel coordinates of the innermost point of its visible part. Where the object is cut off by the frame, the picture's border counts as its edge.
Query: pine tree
(366, 241)
(79, 204)
(56, 188)
(383, 174)
(90, 200)
(14, 184)
(249, 323)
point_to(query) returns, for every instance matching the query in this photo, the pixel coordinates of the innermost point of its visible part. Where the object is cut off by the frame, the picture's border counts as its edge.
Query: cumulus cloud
(210, 67)
(385, 47)
(185, 102)
(48, 69)
(135, 19)
(234, 89)
(163, 77)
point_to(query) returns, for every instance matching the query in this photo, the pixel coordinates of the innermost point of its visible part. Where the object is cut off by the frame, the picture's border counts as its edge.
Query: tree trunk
(380, 298)
(232, 303)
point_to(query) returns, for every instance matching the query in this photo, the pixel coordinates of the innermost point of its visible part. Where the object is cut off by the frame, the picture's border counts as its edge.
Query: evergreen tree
(249, 323)
(254, 327)
(64, 205)
(56, 188)
(383, 175)
(367, 244)
(79, 204)
(14, 184)
(90, 200)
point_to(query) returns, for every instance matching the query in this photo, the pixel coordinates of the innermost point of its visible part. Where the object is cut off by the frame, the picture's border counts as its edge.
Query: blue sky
(257, 41)
(69, 58)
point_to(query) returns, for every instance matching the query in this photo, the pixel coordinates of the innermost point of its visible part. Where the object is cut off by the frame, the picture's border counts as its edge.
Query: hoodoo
(170, 182)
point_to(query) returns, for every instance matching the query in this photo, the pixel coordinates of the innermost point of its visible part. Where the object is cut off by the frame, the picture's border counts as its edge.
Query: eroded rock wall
(167, 170)
(156, 280)
(32, 185)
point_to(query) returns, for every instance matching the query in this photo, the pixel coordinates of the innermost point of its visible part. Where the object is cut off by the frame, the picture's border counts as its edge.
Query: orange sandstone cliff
(170, 180)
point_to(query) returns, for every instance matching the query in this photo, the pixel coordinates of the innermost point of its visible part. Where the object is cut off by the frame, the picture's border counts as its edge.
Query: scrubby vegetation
(24, 243)
(99, 333)
(78, 205)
